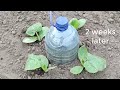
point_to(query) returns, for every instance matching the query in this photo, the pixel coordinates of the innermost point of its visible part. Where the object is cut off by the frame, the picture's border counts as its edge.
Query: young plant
(35, 32)
(77, 23)
(37, 61)
(90, 62)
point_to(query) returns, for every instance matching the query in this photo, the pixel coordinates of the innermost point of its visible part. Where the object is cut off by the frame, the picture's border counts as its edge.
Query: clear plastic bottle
(62, 42)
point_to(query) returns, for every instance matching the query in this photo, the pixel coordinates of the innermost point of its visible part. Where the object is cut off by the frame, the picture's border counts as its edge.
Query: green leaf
(90, 67)
(33, 62)
(94, 63)
(82, 22)
(44, 63)
(43, 32)
(75, 23)
(76, 69)
(98, 62)
(34, 28)
(82, 54)
(29, 39)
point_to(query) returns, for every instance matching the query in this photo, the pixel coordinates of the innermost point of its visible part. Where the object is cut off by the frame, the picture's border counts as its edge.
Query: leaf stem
(38, 36)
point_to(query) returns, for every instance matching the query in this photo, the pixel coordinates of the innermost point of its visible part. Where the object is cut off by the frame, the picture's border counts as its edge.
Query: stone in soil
(28, 50)
(4, 22)
(18, 17)
(13, 32)
(28, 19)
(82, 78)
(19, 11)
(33, 49)
(1, 42)
(35, 13)
(29, 77)
(110, 20)
(109, 49)
(111, 15)
(96, 22)
(20, 20)
(21, 57)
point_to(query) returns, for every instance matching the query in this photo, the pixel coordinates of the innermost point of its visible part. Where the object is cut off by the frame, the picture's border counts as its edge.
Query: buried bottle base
(61, 60)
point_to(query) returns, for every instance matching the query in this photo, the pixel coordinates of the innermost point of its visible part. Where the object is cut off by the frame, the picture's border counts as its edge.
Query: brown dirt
(13, 53)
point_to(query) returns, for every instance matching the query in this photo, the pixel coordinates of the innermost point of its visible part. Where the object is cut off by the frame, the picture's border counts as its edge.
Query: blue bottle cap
(61, 23)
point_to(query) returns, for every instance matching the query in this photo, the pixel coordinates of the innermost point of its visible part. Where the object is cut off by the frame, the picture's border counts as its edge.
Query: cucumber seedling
(37, 61)
(35, 32)
(91, 63)
(77, 23)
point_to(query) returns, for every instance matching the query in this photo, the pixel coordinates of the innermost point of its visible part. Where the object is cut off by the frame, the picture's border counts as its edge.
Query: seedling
(90, 62)
(77, 23)
(76, 69)
(37, 61)
(35, 32)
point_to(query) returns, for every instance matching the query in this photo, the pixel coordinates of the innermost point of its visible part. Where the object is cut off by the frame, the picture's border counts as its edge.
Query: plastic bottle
(62, 42)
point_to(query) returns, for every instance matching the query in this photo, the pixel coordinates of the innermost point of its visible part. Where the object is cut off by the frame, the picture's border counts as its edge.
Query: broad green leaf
(43, 32)
(29, 39)
(34, 28)
(44, 63)
(94, 63)
(75, 23)
(90, 67)
(82, 54)
(33, 62)
(98, 62)
(82, 23)
(76, 69)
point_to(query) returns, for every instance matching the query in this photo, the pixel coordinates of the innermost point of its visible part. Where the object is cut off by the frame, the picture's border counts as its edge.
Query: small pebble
(18, 60)
(10, 63)
(84, 15)
(13, 32)
(28, 19)
(29, 50)
(111, 15)
(110, 20)
(43, 17)
(110, 55)
(109, 49)
(50, 65)
(21, 57)
(19, 11)
(4, 22)
(29, 77)
(82, 78)
(23, 30)
(35, 13)
(20, 20)
(33, 49)
(8, 42)
(96, 22)
(32, 73)
(1, 42)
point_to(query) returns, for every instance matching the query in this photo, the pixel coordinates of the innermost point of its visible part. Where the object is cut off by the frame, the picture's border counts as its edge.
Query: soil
(13, 53)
